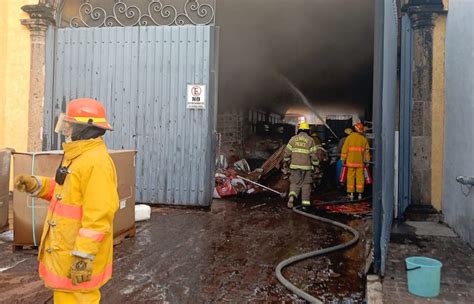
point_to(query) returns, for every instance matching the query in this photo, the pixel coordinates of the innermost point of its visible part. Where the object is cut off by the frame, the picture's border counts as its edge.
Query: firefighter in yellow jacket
(355, 155)
(300, 153)
(75, 254)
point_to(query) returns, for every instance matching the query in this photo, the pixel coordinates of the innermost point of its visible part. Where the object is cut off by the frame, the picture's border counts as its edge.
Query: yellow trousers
(355, 175)
(91, 297)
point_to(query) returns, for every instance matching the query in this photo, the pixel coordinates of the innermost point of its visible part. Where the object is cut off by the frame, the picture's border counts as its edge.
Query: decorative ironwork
(149, 12)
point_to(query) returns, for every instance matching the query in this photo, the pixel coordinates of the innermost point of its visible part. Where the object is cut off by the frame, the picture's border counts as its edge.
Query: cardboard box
(27, 209)
(125, 165)
(5, 156)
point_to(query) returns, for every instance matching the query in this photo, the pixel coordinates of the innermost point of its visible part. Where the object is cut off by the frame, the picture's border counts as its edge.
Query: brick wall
(231, 126)
(235, 126)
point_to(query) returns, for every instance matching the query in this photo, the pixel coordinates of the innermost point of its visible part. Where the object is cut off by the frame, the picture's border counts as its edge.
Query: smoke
(325, 47)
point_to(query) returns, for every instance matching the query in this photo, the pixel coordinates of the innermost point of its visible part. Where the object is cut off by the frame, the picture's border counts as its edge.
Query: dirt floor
(225, 254)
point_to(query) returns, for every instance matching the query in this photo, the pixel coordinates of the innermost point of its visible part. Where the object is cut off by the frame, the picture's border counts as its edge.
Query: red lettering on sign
(196, 91)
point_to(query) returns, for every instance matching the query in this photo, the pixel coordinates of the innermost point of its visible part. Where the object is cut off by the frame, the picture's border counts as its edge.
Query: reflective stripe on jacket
(301, 152)
(355, 150)
(80, 216)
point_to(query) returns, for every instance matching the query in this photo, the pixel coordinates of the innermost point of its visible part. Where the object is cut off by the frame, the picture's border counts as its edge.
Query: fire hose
(304, 256)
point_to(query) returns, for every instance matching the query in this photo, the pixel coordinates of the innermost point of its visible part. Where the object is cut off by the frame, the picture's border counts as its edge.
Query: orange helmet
(359, 127)
(87, 111)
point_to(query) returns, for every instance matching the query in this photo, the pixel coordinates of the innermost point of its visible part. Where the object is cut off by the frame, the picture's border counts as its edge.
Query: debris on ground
(2, 269)
(239, 179)
(335, 202)
(242, 166)
(350, 208)
(258, 206)
(7, 236)
(273, 162)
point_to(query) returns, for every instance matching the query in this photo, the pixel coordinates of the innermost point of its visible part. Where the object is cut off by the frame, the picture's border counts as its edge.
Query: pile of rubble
(239, 178)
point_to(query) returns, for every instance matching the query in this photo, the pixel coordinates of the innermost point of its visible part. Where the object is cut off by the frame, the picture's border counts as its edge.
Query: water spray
(306, 102)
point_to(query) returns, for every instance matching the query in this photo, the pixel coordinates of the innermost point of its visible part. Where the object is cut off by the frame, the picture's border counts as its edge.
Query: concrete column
(40, 18)
(422, 14)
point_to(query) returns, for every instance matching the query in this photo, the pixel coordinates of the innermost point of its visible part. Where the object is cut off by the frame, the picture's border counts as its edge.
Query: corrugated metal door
(141, 74)
(385, 92)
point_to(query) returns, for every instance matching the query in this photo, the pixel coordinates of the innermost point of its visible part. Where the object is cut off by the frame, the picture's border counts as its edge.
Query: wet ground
(225, 254)
(433, 240)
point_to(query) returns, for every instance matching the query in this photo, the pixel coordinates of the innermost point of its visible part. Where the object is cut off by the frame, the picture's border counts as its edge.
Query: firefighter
(75, 254)
(355, 156)
(315, 137)
(347, 132)
(300, 154)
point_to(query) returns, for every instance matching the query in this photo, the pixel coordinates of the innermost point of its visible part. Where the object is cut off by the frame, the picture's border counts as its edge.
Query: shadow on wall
(324, 46)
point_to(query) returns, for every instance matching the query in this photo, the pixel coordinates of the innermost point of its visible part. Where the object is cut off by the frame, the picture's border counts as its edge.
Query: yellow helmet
(303, 126)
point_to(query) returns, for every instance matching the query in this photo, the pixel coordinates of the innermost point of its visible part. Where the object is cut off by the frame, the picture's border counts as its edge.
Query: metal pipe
(262, 186)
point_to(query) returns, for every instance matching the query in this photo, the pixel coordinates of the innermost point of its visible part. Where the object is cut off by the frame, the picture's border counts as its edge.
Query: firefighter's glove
(81, 270)
(26, 183)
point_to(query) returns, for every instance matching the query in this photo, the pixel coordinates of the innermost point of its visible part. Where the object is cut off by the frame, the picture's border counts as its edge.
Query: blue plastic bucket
(423, 276)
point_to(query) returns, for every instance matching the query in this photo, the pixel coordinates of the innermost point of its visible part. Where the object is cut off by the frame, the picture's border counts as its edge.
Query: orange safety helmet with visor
(83, 111)
(359, 127)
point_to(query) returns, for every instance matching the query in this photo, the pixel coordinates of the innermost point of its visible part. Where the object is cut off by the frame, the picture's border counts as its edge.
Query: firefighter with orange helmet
(300, 154)
(355, 155)
(75, 254)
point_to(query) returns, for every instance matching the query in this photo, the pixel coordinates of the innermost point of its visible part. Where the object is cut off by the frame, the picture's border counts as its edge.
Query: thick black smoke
(325, 47)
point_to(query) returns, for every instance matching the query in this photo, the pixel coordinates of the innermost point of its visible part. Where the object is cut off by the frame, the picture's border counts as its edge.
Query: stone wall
(422, 15)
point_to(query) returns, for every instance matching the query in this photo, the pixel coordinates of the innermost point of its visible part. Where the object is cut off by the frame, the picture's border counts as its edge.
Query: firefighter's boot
(359, 197)
(305, 205)
(350, 196)
(290, 201)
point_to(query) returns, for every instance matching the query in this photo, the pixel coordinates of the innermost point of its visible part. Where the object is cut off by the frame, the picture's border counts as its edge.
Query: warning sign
(196, 96)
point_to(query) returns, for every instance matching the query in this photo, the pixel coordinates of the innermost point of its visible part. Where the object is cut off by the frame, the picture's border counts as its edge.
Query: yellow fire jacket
(355, 150)
(80, 216)
(301, 151)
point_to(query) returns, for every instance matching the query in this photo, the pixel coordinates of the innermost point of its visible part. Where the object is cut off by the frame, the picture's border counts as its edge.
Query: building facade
(435, 90)
(15, 68)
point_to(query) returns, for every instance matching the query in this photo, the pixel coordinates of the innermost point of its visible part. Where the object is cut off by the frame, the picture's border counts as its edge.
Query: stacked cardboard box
(27, 210)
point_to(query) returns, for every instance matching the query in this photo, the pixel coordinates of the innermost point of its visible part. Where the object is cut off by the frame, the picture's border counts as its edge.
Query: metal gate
(141, 74)
(385, 86)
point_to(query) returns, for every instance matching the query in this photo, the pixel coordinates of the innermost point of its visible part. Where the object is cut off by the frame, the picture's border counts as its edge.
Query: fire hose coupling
(465, 180)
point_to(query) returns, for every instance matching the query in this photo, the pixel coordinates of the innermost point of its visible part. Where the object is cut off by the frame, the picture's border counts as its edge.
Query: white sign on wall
(196, 96)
